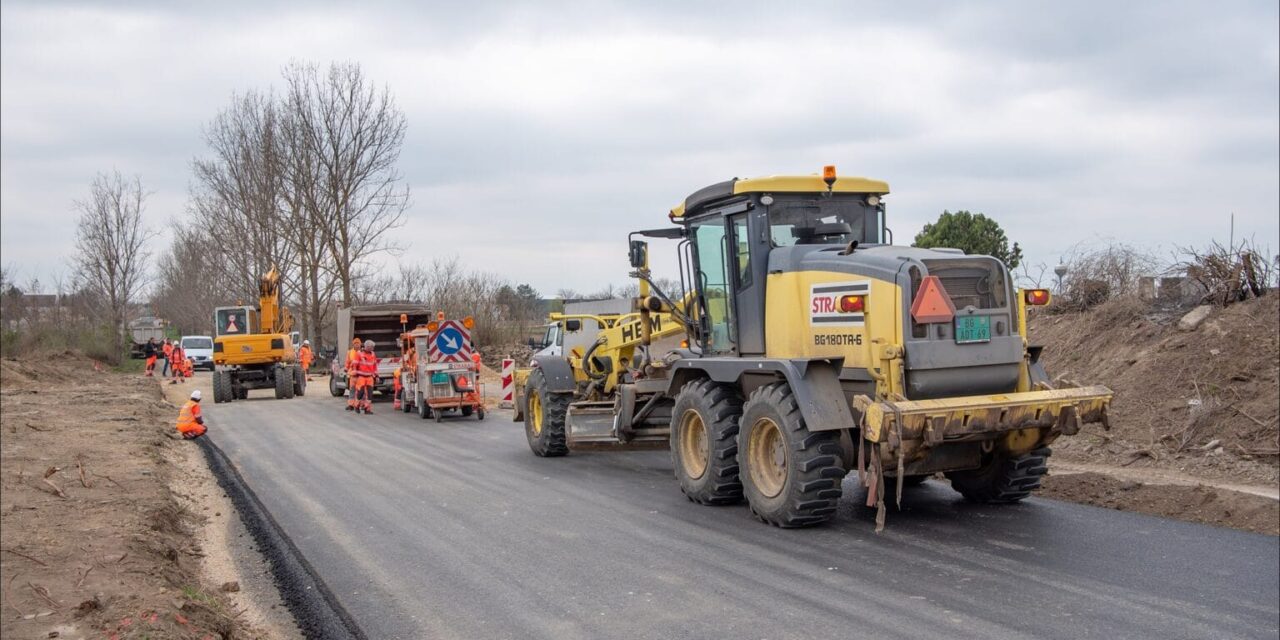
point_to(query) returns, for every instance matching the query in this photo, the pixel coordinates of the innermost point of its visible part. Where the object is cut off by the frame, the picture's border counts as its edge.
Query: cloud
(540, 134)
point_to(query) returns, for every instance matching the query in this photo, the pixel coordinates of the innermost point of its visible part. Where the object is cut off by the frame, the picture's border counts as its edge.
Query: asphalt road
(456, 530)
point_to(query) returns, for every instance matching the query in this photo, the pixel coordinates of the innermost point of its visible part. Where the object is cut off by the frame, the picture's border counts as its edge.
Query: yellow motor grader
(813, 347)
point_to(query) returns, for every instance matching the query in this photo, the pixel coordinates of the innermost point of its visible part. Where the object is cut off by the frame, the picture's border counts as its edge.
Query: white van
(200, 350)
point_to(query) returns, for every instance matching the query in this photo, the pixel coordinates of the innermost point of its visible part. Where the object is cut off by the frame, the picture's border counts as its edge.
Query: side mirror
(639, 254)
(572, 325)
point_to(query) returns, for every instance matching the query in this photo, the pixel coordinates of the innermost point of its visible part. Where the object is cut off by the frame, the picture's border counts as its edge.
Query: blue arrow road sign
(449, 341)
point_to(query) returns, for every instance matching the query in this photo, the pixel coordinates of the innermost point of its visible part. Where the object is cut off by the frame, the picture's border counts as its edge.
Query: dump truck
(813, 348)
(382, 323)
(253, 347)
(143, 329)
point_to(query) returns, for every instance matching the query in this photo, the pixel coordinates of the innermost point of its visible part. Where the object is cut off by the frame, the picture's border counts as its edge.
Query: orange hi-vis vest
(187, 417)
(367, 364)
(353, 356)
(304, 354)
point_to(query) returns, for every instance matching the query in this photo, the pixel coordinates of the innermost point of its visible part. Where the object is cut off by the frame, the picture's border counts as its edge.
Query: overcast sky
(541, 133)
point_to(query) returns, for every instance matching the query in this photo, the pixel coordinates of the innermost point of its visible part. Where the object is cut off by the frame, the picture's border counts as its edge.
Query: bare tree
(238, 193)
(111, 246)
(355, 133)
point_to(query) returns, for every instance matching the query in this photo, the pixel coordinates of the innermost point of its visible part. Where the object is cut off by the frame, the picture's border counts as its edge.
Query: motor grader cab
(817, 348)
(255, 347)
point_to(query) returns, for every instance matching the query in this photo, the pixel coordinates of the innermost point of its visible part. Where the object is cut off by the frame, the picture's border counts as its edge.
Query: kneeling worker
(190, 421)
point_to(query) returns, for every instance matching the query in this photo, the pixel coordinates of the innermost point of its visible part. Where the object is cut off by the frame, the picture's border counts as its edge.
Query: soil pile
(1206, 505)
(1205, 400)
(94, 543)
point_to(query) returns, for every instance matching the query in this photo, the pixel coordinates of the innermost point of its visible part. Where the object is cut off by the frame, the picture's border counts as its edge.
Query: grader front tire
(791, 476)
(544, 417)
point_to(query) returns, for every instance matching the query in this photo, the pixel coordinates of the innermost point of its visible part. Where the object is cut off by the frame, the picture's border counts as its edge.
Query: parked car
(200, 350)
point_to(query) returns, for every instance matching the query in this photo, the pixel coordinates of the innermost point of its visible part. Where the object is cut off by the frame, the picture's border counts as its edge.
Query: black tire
(1003, 479)
(333, 387)
(299, 381)
(480, 414)
(221, 387)
(284, 383)
(544, 431)
(424, 409)
(790, 475)
(704, 442)
(466, 412)
(240, 393)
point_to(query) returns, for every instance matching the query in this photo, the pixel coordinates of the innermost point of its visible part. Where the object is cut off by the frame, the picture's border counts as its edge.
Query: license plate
(970, 329)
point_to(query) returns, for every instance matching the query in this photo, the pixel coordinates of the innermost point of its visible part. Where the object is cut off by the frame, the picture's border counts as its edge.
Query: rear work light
(852, 304)
(1037, 297)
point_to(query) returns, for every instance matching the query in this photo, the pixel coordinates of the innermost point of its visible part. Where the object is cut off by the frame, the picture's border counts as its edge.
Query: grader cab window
(834, 221)
(714, 269)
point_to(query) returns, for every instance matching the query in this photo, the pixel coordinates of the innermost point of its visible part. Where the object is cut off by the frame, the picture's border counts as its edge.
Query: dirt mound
(94, 543)
(1205, 505)
(1206, 398)
(49, 368)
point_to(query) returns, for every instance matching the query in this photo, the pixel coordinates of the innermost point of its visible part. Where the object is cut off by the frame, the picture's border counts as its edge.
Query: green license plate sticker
(970, 329)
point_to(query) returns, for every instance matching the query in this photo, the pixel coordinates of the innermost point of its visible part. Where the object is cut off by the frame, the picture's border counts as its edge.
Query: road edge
(313, 605)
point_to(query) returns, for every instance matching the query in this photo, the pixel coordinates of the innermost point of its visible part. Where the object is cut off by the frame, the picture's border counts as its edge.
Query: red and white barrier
(508, 383)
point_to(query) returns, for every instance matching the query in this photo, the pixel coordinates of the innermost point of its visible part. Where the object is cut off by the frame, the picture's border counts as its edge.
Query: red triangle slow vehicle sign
(932, 304)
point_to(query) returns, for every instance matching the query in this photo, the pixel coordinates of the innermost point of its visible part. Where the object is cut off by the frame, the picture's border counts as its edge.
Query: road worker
(397, 389)
(168, 353)
(366, 374)
(353, 354)
(304, 358)
(190, 420)
(179, 359)
(150, 352)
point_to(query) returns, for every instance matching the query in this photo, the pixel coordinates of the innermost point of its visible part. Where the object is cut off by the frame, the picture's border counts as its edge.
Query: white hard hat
(306, 342)
(368, 344)
(195, 395)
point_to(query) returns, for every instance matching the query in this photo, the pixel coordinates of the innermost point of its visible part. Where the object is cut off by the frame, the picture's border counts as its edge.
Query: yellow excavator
(253, 347)
(813, 348)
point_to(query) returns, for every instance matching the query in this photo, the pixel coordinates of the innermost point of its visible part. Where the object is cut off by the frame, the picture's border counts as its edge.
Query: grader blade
(976, 417)
(591, 426)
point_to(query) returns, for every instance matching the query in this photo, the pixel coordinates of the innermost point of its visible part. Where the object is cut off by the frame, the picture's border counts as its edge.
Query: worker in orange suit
(397, 388)
(353, 354)
(168, 359)
(179, 359)
(366, 374)
(304, 357)
(150, 351)
(190, 420)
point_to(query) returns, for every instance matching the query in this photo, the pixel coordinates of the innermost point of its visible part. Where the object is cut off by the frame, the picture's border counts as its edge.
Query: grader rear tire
(790, 475)
(299, 381)
(704, 442)
(544, 417)
(1003, 479)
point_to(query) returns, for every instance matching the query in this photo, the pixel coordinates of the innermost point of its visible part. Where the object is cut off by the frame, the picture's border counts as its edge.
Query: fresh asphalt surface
(456, 530)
